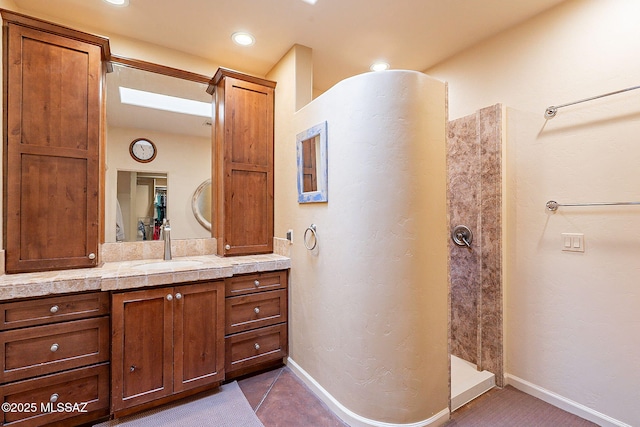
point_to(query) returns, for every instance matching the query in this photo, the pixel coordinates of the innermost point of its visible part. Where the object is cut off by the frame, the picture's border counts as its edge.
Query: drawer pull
(132, 368)
(257, 283)
(257, 346)
(257, 310)
(92, 256)
(178, 295)
(54, 309)
(227, 247)
(54, 398)
(54, 348)
(169, 297)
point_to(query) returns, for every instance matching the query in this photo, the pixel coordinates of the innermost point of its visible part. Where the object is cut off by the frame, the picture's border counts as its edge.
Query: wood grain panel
(45, 349)
(90, 385)
(251, 283)
(142, 347)
(198, 335)
(53, 112)
(255, 311)
(53, 309)
(256, 347)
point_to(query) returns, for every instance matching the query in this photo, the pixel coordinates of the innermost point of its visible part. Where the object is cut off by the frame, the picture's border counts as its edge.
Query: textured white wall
(571, 319)
(369, 307)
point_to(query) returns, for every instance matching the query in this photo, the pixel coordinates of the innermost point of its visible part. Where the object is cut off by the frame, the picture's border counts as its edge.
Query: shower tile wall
(474, 151)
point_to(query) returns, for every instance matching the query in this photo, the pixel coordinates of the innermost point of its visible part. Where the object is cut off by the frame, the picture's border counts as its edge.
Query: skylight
(174, 104)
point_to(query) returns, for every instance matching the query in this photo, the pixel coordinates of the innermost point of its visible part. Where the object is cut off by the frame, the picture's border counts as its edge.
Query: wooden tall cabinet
(166, 341)
(52, 112)
(243, 163)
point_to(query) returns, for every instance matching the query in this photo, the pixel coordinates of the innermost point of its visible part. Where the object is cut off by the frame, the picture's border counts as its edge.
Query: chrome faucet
(166, 236)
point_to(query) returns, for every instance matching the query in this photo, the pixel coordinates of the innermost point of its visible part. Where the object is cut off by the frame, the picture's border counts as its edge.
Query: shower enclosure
(474, 194)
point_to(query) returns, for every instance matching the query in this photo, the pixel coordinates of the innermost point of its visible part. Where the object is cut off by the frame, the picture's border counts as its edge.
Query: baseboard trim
(563, 403)
(350, 417)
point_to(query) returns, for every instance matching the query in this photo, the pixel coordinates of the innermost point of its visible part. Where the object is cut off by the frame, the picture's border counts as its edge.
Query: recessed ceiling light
(243, 39)
(379, 66)
(121, 3)
(310, 1)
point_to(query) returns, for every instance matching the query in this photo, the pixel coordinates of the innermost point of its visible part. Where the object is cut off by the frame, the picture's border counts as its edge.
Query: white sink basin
(167, 265)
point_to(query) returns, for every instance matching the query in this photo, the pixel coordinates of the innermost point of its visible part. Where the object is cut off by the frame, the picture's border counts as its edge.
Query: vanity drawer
(85, 385)
(255, 311)
(45, 349)
(255, 347)
(251, 283)
(53, 309)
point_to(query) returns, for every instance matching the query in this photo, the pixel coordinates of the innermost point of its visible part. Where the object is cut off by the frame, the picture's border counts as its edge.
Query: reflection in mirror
(201, 204)
(142, 202)
(182, 139)
(309, 156)
(311, 150)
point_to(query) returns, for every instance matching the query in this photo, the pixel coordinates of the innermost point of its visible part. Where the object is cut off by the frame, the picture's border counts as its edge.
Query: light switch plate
(573, 242)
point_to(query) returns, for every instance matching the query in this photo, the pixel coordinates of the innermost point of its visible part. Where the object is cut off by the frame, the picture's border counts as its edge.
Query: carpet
(224, 407)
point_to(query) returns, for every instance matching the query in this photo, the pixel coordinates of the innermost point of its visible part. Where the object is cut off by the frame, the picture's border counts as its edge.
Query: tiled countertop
(136, 274)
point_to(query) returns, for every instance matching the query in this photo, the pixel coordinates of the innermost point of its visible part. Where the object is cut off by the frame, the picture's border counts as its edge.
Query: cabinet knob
(54, 309)
(169, 297)
(92, 256)
(257, 346)
(132, 368)
(178, 295)
(55, 347)
(257, 310)
(227, 247)
(54, 398)
(256, 282)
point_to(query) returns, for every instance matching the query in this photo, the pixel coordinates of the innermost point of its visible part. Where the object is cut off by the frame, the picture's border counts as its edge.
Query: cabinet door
(247, 153)
(198, 335)
(53, 109)
(142, 347)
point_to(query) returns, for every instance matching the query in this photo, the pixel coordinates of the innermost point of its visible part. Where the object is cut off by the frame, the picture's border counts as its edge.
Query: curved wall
(368, 308)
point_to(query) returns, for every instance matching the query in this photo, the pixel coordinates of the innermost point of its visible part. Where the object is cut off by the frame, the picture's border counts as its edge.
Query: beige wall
(368, 312)
(571, 318)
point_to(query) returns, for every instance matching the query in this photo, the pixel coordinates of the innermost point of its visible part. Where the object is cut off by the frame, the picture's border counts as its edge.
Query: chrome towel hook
(314, 236)
(462, 236)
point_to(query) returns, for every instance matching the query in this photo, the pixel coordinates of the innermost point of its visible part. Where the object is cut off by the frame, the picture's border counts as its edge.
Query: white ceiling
(346, 35)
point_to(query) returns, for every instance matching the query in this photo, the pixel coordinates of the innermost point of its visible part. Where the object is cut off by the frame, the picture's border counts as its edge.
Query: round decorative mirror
(201, 204)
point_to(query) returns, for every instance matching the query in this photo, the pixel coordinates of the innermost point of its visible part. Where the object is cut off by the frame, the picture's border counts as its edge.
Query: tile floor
(280, 399)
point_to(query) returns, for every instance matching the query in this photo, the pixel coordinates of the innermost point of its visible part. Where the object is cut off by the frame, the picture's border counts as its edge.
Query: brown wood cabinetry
(243, 163)
(55, 351)
(256, 322)
(166, 341)
(52, 174)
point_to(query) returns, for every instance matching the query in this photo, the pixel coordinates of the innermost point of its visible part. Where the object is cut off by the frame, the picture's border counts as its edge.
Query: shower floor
(467, 382)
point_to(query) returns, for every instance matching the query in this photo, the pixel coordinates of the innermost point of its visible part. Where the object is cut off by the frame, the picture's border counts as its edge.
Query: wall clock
(142, 150)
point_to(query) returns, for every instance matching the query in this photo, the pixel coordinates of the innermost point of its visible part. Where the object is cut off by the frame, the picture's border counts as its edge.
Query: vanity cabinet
(55, 351)
(256, 322)
(166, 341)
(242, 163)
(52, 133)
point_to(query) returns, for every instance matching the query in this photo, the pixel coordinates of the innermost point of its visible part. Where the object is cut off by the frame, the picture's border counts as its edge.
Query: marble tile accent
(281, 246)
(154, 249)
(136, 274)
(474, 165)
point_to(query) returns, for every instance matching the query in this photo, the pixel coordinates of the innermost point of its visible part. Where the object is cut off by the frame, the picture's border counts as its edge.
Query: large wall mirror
(171, 108)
